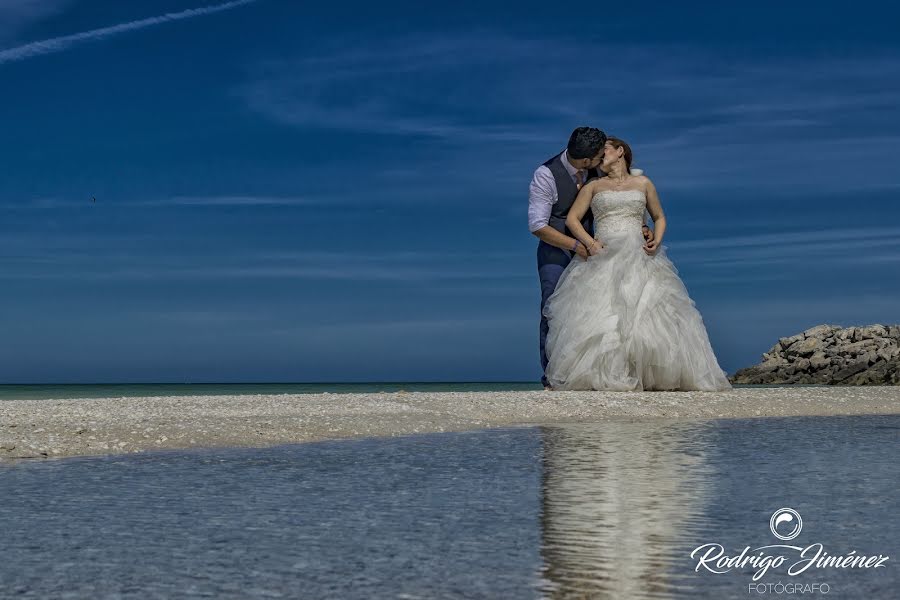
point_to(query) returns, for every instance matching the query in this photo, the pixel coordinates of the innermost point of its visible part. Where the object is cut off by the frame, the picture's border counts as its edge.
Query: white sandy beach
(60, 428)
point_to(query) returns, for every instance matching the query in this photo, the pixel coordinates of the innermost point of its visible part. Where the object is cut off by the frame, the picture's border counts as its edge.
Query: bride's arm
(659, 218)
(577, 212)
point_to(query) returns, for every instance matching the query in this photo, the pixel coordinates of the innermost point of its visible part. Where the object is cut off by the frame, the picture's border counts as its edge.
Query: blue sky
(338, 192)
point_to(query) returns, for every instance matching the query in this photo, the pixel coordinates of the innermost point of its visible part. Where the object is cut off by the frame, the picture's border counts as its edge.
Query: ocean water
(59, 391)
(599, 510)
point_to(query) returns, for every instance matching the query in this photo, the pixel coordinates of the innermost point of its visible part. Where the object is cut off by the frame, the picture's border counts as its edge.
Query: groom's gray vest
(566, 192)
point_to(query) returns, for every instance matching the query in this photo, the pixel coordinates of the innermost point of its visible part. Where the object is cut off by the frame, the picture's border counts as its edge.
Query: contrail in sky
(58, 44)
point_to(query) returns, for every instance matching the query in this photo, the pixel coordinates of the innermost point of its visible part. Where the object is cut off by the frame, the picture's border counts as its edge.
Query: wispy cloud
(395, 267)
(420, 86)
(17, 15)
(696, 116)
(175, 201)
(59, 44)
(794, 238)
(412, 327)
(222, 201)
(790, 251)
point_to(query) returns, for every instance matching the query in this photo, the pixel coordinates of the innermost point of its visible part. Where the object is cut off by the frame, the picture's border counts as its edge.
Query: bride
(622, 319)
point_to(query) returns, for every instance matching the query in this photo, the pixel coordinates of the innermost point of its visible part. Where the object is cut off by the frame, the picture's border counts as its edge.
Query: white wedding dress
(623, 320)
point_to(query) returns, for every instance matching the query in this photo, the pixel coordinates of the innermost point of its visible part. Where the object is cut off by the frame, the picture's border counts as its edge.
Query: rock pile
(831, 355)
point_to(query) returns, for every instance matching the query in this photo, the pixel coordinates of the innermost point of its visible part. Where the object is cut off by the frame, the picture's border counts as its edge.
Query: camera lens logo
(786, 523)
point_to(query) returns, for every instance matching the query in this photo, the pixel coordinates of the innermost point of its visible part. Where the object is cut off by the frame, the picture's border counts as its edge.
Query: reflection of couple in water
(619, 501)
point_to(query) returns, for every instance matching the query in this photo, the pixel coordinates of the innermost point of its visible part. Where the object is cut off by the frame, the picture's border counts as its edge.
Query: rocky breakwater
(832, 355)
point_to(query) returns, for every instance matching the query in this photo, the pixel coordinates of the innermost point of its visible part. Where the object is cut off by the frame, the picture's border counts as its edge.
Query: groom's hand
(648, 233)
(582, 251)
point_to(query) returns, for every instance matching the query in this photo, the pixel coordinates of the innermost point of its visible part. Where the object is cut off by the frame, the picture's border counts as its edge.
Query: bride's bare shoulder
(644, 182)
(595, 184)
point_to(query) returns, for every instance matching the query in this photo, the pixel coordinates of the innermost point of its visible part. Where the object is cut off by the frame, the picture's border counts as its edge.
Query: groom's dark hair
(586, 142)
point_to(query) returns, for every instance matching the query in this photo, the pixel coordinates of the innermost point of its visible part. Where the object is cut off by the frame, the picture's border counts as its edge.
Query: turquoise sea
(106, 390)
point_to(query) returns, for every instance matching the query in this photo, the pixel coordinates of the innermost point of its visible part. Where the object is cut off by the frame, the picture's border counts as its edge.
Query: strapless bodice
(618, 211)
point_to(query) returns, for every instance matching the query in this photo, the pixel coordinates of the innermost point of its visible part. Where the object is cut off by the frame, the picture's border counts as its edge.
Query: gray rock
(765, 379)
(765, 368)
(860, 347)
(878, 374)
(834, 351)
(804, 347)
(849, 370)
(757, 375)
(870, 357)
(775, 362)
(872, 332)
(819, 361)
(888, 353)
(827, 354)
(786, 342)
(820, 331)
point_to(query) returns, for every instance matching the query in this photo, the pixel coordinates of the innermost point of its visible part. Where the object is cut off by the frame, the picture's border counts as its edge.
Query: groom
(552, 192)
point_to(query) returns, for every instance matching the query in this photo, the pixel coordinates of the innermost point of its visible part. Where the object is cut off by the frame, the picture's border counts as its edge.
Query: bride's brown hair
(617, 143)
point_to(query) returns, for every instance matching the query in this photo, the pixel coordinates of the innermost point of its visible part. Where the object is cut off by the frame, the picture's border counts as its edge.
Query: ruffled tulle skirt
(623, 320)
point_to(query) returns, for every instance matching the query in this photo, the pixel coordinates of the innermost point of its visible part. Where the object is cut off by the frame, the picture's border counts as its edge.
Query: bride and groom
(614, 313)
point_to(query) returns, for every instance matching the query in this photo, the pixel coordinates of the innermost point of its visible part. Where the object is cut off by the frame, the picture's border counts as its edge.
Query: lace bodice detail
(618, 210)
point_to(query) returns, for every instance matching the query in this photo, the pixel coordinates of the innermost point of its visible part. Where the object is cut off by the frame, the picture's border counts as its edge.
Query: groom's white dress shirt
(542, 193)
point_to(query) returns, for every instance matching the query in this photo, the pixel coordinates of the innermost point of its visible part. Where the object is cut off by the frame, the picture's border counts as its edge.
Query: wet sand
(60, 428)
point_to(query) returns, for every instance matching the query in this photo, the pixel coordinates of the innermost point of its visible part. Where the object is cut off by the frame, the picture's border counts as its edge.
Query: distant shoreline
(83, 427)
(64, 391)
(47, 391)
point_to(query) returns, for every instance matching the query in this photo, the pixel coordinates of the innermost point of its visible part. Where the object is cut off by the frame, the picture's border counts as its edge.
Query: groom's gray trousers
(551, 261)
